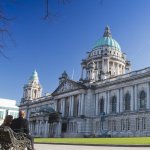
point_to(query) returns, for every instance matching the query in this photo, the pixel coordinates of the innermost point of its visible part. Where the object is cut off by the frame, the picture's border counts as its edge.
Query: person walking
(20, 124)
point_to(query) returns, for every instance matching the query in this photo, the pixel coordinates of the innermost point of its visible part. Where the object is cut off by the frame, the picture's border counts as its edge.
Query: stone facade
(108, 100)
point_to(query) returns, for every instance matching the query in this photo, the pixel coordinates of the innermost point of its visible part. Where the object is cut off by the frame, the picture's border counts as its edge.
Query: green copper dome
(107, 40)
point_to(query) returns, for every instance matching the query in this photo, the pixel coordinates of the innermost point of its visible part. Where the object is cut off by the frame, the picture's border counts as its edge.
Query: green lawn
(120, 141)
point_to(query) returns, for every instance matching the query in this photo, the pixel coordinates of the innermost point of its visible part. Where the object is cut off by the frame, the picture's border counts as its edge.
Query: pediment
(66, 86)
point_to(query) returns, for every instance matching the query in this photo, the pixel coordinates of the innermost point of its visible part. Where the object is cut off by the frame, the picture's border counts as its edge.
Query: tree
(48, 12)
(5, 21)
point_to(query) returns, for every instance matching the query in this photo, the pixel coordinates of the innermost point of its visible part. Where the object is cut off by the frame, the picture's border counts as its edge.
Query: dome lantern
(107, 32)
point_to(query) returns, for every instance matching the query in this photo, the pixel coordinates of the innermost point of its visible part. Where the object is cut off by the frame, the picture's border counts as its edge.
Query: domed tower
(105, 60)
(33, 89)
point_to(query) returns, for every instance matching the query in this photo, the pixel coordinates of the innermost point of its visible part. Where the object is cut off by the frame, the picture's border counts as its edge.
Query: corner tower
(105, 60)
(33, 89)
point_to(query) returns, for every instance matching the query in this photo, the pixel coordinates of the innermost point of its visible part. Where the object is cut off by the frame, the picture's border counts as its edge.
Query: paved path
(76, 147)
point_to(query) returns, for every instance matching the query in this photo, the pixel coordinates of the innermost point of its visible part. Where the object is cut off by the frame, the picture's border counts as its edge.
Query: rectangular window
(143, 123)
(109, 125)
(127, 124)
(137, 123)
(122, 124)
(97, 125)
(114, 125)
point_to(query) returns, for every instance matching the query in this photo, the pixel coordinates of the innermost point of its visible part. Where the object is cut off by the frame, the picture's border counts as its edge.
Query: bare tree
(4, 32)
(5, 21)
(48, 12)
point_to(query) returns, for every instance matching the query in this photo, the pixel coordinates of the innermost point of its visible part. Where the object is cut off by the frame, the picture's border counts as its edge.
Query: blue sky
(61, 43)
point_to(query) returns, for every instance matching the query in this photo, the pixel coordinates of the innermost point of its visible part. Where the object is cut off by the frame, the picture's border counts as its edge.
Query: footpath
(103, 145)
(83, 147)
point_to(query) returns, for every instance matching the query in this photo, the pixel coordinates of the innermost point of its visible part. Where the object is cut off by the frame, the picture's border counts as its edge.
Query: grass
(108, 141)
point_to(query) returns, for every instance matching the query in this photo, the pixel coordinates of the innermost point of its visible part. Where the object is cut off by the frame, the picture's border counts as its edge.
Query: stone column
(113, 66)
(98, 65)
(82, 104)
(55, 105)
(40, 131)
(38, 128)
(70, 105)
(121, 99)
(105, 102)
(118, 101)
(48, 129)
(108, 100)
(135, 97)
(79, 106)
(118, 71)
(97, 109)
(59, 129)
(63, 107)
(103, 65)
(148, 95)
(30, 126)
(33, 128)
(132, 99)
(108, 65)
(72, 108)
(32, 93)
(124, 71)
(45, 133)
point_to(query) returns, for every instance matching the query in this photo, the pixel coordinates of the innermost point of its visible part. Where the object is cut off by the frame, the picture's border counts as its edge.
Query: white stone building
(109, 99)
(8, 107)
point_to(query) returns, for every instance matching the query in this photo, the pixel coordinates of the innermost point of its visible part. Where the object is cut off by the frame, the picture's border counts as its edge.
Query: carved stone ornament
(67, 85)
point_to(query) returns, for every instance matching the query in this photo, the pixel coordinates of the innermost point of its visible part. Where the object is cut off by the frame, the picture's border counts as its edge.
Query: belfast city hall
(108, 100)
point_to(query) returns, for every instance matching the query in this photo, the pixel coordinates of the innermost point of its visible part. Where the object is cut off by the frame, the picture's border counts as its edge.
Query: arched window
(127, 101)
(114, 104)
(35, 92)
(142, 99)
(101, 105)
